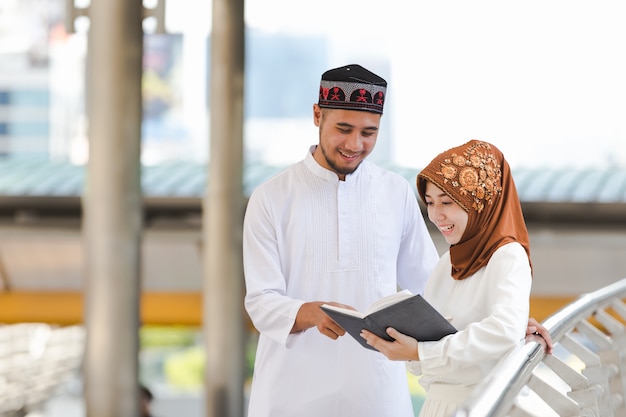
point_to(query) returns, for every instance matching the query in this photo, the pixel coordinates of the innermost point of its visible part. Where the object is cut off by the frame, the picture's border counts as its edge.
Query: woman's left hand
(536, 329)
(403, 348)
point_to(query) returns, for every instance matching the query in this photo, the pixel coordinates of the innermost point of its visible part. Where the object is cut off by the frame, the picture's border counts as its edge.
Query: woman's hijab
(477, 177)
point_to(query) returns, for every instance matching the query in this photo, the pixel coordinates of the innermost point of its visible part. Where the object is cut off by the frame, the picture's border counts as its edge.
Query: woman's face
(449, 217)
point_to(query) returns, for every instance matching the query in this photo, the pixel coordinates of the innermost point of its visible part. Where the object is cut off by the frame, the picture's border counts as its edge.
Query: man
(333, 228)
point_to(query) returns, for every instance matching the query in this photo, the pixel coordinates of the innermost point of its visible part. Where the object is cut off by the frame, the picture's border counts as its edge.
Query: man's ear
(317, 114)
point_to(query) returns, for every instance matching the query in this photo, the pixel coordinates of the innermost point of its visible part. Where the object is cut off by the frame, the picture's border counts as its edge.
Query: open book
(407, 313)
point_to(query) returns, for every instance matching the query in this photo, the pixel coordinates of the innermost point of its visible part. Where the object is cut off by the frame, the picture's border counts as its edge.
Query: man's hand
(403, 348)
(311, 315)
(535, 330)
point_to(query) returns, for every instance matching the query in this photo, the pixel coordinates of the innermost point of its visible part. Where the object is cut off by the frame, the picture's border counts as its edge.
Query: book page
(344, 310)
(389, 300)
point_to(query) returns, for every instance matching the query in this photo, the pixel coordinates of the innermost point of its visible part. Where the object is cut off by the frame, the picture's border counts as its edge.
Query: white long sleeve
(490, 310)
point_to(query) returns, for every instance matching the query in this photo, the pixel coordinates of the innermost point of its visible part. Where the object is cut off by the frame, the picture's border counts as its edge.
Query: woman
(482, 283)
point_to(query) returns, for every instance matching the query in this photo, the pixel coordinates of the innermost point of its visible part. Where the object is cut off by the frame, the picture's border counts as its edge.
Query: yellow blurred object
(185, 369)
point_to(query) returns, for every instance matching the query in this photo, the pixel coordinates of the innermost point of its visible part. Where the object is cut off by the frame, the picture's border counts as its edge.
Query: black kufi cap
(352, 87)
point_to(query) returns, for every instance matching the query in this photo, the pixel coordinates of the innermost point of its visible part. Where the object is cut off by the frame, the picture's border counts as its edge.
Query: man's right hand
(310, 315)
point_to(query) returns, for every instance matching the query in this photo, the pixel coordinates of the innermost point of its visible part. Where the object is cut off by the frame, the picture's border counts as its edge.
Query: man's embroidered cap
(352, 87)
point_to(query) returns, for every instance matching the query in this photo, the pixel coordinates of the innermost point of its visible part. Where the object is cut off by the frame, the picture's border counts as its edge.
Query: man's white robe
(310, 237)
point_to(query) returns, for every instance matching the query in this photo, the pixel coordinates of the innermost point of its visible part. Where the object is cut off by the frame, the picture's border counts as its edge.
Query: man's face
(346, 138)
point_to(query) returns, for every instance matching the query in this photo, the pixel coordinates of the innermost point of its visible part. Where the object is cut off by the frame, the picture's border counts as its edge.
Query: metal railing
(585, 375)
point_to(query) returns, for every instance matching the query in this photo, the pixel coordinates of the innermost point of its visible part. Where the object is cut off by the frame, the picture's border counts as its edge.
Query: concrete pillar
(223, 214)
(113, 208)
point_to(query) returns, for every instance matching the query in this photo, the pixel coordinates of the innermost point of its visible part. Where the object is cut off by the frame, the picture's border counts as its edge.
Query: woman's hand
(535, 329)
(403, 348)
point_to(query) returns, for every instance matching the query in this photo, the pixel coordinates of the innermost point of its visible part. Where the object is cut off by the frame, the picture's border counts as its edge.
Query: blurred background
(541, 80)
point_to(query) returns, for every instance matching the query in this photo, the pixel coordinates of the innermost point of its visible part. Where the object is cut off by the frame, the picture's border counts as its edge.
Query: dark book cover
(412, 316)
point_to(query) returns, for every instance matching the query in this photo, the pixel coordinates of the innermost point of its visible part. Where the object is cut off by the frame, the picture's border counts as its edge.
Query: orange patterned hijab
(478, 178)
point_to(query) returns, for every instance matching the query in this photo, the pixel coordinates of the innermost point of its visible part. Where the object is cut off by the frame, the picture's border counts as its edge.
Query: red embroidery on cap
(379, 98)
(324, 93)
(336, 96)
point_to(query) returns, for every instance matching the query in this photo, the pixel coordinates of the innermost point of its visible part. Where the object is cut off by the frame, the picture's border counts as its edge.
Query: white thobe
(310, 237)
(490, 309)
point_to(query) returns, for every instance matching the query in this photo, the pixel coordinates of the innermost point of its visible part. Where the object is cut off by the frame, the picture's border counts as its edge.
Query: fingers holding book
(327, 326)
(402, 348)
(311, 315)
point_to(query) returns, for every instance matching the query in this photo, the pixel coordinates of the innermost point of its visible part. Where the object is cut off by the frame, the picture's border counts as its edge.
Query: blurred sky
(543, 80)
